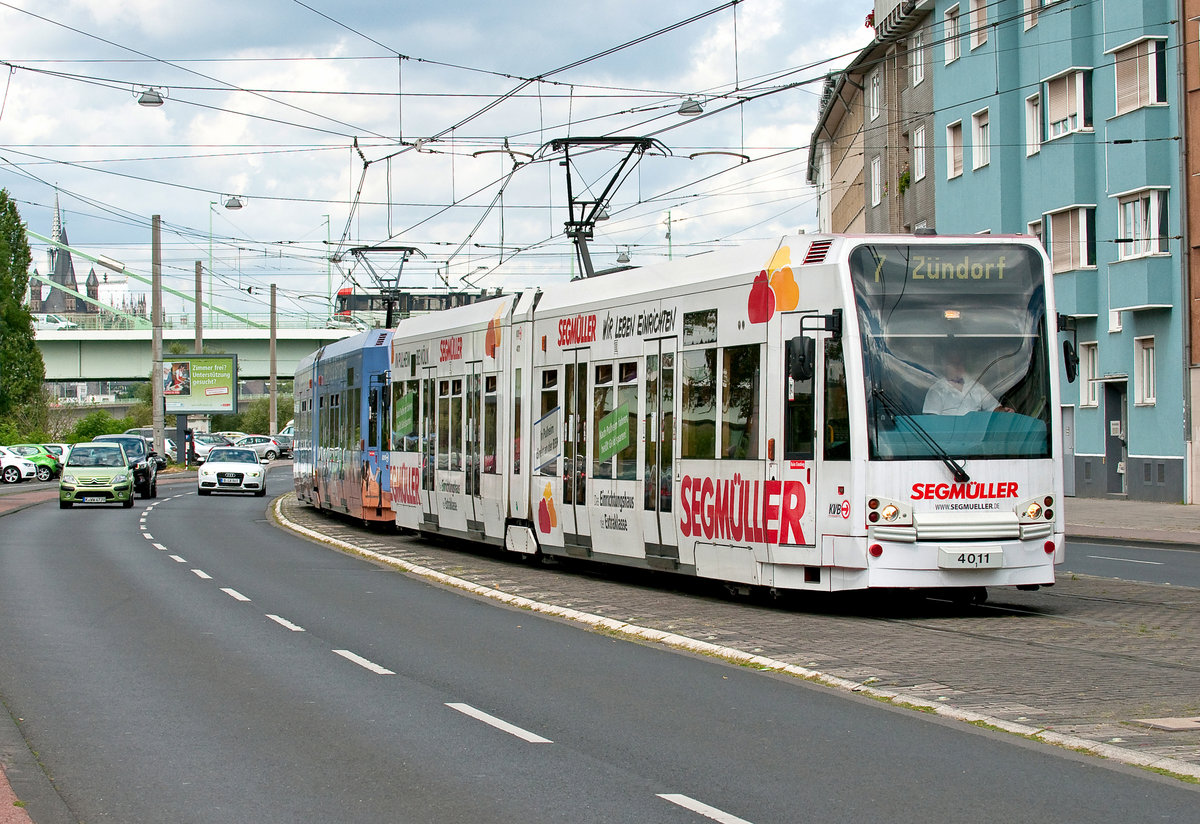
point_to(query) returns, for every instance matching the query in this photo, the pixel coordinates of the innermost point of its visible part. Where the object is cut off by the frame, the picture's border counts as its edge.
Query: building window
(1088, 370)
(1142, 223)
(1035, 229)
(918, 149)
(916, 50)
(873, 96)
(1033, 125)
(950, 33)
(876, 181)
(1140, 74)
(981, 144)
(1031, 7)
(954, 150)
(1143, 375)
(977, 19)
(1069, 103)
(1072, 238)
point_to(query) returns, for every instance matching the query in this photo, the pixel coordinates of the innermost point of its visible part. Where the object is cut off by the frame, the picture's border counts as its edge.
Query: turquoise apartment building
(1063, 119)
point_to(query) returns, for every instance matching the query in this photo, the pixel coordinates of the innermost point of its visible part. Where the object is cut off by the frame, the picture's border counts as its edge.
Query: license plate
(228, 481)
(990, 557)
(92, 499)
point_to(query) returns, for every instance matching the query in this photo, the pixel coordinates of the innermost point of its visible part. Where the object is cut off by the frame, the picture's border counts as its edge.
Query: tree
(22, 372)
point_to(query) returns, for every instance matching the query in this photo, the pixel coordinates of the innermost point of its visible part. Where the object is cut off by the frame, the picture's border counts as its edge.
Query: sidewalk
(1115, 519)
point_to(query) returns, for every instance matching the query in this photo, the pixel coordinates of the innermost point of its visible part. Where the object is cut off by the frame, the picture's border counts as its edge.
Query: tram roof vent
(817, 252)
(382, 337)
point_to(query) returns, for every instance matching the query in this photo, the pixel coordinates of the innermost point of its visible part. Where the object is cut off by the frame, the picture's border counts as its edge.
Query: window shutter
(1056, 99)
(1126, 65)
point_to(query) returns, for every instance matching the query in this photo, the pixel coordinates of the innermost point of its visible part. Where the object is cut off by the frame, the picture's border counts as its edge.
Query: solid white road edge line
(504, 726)
(285, 624)
(703, 809)
(363, 662)
(737, 656)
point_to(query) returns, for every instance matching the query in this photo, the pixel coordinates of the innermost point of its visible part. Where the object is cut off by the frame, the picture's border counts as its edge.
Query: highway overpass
(110, 354)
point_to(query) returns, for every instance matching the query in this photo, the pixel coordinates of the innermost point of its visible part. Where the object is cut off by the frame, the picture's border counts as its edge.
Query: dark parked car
(285, 444)
(143, 460)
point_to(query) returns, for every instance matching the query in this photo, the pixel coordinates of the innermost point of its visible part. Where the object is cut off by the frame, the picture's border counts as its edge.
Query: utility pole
(274, 383)
(199, 309)
(156, 321)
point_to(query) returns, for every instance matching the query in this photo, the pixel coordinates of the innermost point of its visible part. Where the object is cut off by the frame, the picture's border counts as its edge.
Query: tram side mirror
(1070, 361)
(801, 353)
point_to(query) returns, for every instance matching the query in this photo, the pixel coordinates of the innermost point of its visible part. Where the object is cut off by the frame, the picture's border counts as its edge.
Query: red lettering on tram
(969, 491)
(406, 485)
(579, 329)
(743, 510)
(451, 348)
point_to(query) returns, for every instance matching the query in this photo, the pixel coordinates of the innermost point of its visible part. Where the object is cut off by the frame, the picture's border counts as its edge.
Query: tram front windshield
(955, 356)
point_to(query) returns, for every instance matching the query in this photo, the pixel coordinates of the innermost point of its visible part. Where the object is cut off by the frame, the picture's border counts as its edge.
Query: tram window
(443, 425)
(837, 407)
(740, 370)
(472, 441)
(404, 415)
(517, 422)
(456, 425)
(650, 435)
(372, 417)
(575, 447)
(546, 440)
(627, 398)
(699, 407)
(489, 425)
(798, 423)
(603, 404)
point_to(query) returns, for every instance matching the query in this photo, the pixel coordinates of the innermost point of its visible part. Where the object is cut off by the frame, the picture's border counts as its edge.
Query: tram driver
(957, 394)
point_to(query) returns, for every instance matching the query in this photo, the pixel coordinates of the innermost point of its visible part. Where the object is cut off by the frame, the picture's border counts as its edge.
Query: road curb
(898, 699)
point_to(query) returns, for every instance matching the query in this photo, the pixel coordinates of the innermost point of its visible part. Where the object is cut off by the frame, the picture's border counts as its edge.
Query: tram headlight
(1033, 511)
(890, 512)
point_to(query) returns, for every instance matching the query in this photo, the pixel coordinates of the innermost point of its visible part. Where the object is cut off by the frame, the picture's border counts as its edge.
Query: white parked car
(232, 469)
(14, 468)
(53, 322)
(267, 448)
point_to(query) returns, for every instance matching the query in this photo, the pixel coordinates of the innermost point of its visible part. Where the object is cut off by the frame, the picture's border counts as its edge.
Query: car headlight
(120, 479)
(69, 479)
(255, 473)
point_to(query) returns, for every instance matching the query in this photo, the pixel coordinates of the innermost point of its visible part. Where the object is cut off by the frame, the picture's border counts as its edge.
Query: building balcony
(1144, 283)
(1076, 293)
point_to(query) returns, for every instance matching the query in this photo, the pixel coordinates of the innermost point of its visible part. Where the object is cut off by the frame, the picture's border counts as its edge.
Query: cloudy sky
(365, 123)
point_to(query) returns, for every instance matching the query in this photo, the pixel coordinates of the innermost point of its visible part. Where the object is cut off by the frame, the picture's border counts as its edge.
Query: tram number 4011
(977, 558)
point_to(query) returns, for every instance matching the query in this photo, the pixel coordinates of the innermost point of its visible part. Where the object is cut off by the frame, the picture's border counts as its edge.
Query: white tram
(815, 413)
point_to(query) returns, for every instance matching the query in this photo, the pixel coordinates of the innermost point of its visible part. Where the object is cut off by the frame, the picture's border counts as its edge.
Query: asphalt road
(202, 665)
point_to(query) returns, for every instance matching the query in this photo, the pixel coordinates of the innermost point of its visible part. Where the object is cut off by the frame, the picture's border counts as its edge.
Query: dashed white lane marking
(202, 574)
(177, 559)
(363, 662)
(1126, 560)
(233, 593)
(285, 624)
(491, 720)
(159, 546)
(147, 535)
(703, 809)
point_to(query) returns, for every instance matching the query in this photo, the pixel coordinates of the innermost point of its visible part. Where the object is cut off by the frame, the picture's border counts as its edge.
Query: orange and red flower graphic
(774, 288)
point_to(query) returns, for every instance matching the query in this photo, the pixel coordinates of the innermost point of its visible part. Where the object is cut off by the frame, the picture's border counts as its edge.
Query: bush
(99, 423)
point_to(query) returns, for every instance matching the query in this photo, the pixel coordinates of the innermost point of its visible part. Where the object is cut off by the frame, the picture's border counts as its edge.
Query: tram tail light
(1049, 547)
(875, 550)
(888, 512)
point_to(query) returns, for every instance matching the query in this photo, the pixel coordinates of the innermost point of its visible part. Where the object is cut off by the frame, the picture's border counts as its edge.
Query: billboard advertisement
(200, 384)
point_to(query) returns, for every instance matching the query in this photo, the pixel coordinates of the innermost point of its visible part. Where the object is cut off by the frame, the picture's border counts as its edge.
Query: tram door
(377, 447)
(474, 457)
(575, 445)
(428, 441)
(658, 432)
(451, 464)
(794, 462)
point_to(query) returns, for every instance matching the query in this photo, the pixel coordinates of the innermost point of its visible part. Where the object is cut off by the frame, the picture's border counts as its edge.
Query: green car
(96, 473)
(47, 464)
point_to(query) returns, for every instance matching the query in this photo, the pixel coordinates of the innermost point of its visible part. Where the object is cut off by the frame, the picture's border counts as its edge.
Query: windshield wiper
(894, 409)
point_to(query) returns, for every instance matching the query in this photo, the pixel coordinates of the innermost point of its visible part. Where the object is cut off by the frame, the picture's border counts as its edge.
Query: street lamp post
(232, 203)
